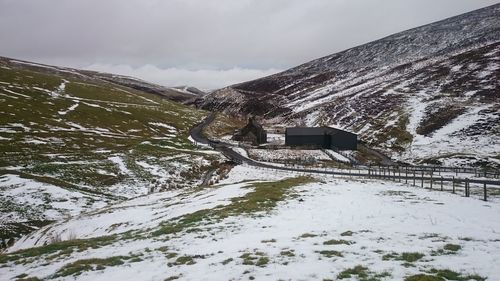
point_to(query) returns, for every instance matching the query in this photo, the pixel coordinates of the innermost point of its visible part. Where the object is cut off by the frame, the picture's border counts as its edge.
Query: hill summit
(425, 95)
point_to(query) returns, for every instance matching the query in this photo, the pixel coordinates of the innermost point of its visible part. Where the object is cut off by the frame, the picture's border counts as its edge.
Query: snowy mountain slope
(71, 143)
(411, 94)
(281, 229)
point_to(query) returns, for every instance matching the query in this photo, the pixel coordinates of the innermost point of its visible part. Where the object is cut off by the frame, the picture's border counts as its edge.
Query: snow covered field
(279, 155)
(24, 200)
(326, 228)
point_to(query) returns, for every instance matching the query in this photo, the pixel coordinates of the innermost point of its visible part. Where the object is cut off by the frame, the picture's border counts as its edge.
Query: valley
(110, 177)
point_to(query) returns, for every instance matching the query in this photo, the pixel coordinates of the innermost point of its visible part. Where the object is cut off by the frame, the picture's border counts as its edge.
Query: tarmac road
(226, 149)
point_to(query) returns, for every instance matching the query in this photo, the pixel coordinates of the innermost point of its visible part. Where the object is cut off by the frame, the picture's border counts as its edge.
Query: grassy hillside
(87, 142)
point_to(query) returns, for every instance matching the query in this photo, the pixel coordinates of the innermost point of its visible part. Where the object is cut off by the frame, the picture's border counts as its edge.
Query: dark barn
(252, 132)
(321, 137)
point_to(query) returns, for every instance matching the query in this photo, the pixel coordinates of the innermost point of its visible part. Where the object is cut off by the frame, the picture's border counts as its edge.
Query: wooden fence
(424, 176)
(477, 172)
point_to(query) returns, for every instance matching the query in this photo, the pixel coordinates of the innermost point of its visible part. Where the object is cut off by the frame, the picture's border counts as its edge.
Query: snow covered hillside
(426, 95)
(71, 143)
(270, 225)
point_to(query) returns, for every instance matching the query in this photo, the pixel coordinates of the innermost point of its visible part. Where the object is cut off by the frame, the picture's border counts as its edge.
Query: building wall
(262, 137)
(344, 141)
(321, 141)
(251, 133)
(335, 139)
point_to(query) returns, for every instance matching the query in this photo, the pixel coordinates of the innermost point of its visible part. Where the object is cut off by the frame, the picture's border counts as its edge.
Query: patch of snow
(71, 108)
(34, 195)
(338, 156)
(269, 155)
(15, 93)
(121, 164)
(170, 128)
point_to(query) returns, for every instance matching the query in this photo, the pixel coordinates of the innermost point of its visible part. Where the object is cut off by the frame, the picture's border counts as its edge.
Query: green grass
(256, 258)
(452, 247)
(262, 261)
(59, 248)
(330, 253)
(118, 121)
(423, 277)
(78, 267)
(337, 242)
(452, 275)
(308, 235)
(288, 253)
(183, 260)
(362, 274)
(347, 233)
(442, 275)
(448, 249)
(269, 241)
(406, 256)
(263, 198)
(108, 104)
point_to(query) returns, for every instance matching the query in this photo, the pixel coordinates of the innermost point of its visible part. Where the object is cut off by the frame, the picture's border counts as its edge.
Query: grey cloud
(216, 35)
(206, 79)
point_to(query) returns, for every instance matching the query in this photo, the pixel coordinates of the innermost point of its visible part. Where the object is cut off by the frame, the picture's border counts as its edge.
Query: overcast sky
(207, 44)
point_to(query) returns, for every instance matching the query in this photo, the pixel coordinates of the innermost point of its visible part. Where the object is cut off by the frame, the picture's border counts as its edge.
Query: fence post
(467, 187)
(441, 183)
(484, 192)
(414, 178)
(453, 180)
(431, 181)
(422, 178)
(406, 175)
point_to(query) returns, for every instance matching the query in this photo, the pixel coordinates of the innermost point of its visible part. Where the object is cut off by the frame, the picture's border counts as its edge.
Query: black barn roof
(312, 131)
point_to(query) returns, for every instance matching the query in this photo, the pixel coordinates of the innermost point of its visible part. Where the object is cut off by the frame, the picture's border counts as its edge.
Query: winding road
(227, 150)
